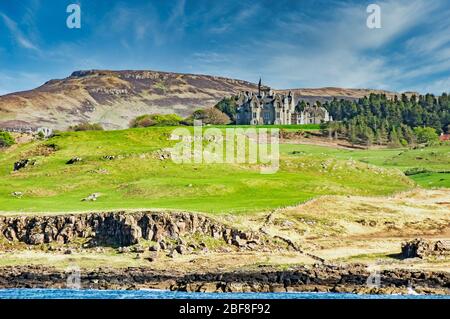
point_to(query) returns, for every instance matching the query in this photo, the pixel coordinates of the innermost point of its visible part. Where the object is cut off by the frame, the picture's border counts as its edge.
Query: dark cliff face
(116, 228)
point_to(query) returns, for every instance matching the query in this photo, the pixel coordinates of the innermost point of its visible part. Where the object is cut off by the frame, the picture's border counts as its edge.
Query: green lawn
(138, 179)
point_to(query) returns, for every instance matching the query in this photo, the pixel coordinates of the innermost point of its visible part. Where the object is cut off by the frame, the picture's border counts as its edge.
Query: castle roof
(315, 110)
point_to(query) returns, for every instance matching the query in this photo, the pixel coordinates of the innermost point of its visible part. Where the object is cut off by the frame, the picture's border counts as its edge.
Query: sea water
(164, 294)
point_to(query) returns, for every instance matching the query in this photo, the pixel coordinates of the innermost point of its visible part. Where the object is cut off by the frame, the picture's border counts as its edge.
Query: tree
(211, 116)
(229, 107)
(408, 134)
(393, 138)
(368, 136)
(382, 114)
(352, 135)
(6, 139)
(426, 135)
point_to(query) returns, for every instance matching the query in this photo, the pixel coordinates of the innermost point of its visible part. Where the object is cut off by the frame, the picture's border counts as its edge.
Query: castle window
(278, 115)
(254, 114)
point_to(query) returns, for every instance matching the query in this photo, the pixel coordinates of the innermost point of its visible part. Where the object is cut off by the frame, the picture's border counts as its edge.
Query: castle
(267, 107)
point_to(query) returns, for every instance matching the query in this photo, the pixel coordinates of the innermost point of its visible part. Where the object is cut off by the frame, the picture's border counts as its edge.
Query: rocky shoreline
(316, 278)
(123, 233)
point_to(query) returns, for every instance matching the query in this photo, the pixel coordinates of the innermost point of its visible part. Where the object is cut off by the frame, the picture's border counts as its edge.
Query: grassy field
(139, 179)
(429, 167)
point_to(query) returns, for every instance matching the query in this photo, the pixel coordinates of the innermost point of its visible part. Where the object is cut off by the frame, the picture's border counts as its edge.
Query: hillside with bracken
(113, 98)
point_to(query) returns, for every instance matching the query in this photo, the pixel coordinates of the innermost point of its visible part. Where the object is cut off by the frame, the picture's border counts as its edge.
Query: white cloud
(229, 20)
(339, 49)
(17, 34)
(143, 23)
(437, 87)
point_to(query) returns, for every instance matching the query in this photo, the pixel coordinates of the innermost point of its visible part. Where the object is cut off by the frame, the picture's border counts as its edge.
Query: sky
(289, 43)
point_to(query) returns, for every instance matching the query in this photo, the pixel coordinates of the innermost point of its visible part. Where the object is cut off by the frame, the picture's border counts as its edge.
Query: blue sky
(291, 44)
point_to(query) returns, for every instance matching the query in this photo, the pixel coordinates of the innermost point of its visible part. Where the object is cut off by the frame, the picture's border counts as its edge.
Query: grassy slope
(436, 159)
(139, 180)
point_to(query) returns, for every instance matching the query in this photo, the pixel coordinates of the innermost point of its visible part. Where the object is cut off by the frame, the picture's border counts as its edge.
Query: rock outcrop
(422, 248)
(118, 229)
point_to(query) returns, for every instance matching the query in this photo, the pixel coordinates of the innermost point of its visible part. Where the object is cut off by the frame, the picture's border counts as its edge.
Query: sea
(27, 293)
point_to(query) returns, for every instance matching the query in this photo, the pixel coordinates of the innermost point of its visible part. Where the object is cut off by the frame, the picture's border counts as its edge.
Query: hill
(113, 98)
(126, 169)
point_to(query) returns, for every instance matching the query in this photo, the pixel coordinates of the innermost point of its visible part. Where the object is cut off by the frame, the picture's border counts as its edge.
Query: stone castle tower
(266, 107)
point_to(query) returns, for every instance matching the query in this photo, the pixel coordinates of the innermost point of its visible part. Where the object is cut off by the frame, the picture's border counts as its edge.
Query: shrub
(416, 170)
(147, 120)
(85, 126)
(426, 135)
(403, 142)
(40, 135)
(211, 116)
(6, 139)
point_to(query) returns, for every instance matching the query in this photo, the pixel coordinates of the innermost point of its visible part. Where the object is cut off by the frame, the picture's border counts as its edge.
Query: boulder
(74, 160)
(181, 249)
(91, 198)
(36, 239)
(138, 249)
(123, 250)
(172, 254)
(23, 163)
(17, 194)
(162, 245)
(238, 241)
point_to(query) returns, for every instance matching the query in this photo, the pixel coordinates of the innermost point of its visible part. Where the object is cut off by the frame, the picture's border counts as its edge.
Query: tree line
(377, 119)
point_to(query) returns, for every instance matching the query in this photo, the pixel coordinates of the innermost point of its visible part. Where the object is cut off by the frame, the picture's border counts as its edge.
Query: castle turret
(259, 87)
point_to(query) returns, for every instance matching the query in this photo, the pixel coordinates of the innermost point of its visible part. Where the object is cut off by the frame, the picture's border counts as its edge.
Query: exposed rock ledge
(117, 228)
(351, 278)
